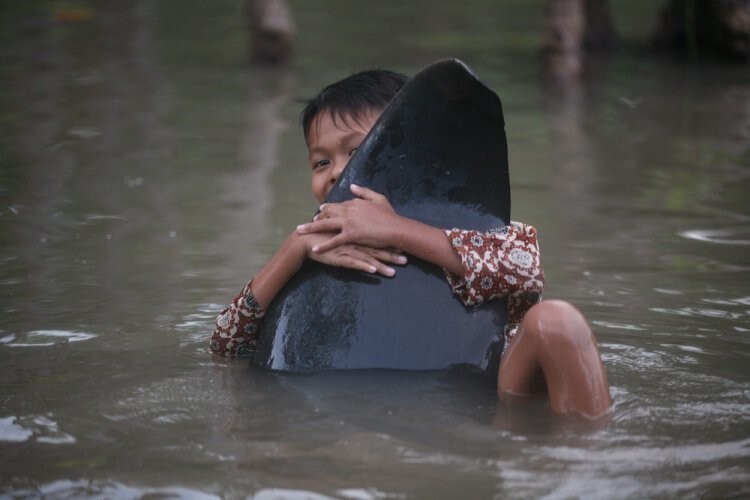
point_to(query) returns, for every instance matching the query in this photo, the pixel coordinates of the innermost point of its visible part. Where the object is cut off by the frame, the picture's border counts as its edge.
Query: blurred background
(151, 161)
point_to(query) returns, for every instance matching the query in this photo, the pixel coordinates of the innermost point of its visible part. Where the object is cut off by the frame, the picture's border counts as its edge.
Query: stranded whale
(439, 154)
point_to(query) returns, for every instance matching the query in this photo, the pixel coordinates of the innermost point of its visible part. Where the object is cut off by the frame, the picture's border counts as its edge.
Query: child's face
(330, 144)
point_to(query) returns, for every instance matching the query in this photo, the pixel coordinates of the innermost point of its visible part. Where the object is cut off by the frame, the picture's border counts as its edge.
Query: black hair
(353, 96)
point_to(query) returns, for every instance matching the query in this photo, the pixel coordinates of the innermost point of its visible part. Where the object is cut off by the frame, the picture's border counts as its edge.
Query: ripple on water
(697, 311)
(44, 338)
(740, 301)
(39, 428)
(726, 236)
(621, 472)
(97, 489)
(618, 326)
(198, 325)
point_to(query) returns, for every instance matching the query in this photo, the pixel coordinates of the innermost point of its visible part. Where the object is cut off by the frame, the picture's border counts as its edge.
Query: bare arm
(237, 325)
(298, 247)
(236, 329)
(283, 265)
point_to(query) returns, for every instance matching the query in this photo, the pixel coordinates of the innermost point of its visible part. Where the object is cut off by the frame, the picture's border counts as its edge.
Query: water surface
(147, 171)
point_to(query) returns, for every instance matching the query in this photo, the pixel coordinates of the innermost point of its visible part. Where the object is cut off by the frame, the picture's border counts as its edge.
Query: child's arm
(480, 266)
(235, 332)
(502, 263)
(236, 327)
(298, 247)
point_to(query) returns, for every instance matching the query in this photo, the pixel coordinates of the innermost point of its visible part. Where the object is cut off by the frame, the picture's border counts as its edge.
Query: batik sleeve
(236, 330)
(496, 264)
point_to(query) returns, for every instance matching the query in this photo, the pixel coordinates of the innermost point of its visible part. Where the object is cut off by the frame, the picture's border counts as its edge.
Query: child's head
(337, 120)
(352, 97)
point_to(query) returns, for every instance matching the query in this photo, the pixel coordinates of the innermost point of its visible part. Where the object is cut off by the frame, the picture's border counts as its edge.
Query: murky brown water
(146, 172)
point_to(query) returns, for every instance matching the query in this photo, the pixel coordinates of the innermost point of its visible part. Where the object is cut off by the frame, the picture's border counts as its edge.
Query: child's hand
(368, 220)
(357, 257)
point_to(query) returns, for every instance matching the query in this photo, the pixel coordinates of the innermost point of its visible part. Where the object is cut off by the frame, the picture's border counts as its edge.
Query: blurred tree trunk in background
(271, 30)
(694, 25)
(571, 26)
(600, 30)
(566, 23)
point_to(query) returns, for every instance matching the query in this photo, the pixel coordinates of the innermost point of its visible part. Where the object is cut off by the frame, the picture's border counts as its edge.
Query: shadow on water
(146, 172)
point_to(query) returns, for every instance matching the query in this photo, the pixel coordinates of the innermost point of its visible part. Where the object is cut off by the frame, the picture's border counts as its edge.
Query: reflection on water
(146, 174)
(44, 338)
(95, 489)
(725, 236)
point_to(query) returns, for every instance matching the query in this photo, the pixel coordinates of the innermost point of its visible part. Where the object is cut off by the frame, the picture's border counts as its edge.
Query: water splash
(40, 428)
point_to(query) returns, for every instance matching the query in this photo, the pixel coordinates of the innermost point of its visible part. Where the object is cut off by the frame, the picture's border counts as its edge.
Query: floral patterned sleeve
(501, 263)
(236, 331)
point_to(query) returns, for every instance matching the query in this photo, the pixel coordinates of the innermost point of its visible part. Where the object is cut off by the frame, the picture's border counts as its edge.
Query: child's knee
(559, 323)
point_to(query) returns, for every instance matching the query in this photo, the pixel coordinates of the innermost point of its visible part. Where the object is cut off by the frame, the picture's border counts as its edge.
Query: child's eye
(320, 164)
(353, 151)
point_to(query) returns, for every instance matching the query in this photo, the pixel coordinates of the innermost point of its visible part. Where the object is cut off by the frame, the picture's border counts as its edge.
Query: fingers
(365, 193)
(382, 255)
(333, 210)
(377, 266)
(327, 211)
(384, 270)
(329, 244)
(322, 214)
(376, 259)
(366, 259)
(352, 257)
(320, 226)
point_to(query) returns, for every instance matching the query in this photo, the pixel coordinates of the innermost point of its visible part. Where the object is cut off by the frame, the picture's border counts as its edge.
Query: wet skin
(555, 350)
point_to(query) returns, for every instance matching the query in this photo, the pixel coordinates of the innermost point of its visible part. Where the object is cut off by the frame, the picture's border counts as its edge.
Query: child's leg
(556, 348)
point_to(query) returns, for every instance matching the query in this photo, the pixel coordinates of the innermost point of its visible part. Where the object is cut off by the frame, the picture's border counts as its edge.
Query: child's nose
(336, 171)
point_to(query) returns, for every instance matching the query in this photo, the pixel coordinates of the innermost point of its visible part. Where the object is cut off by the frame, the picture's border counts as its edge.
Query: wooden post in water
(563, 43)
(571, 27)
(698, 25)
(272, 30)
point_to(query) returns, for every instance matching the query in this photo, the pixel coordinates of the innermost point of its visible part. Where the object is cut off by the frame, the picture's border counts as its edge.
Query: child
(549, 345)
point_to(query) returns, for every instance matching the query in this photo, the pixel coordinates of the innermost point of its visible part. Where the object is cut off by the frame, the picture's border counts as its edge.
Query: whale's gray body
(439, 154)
